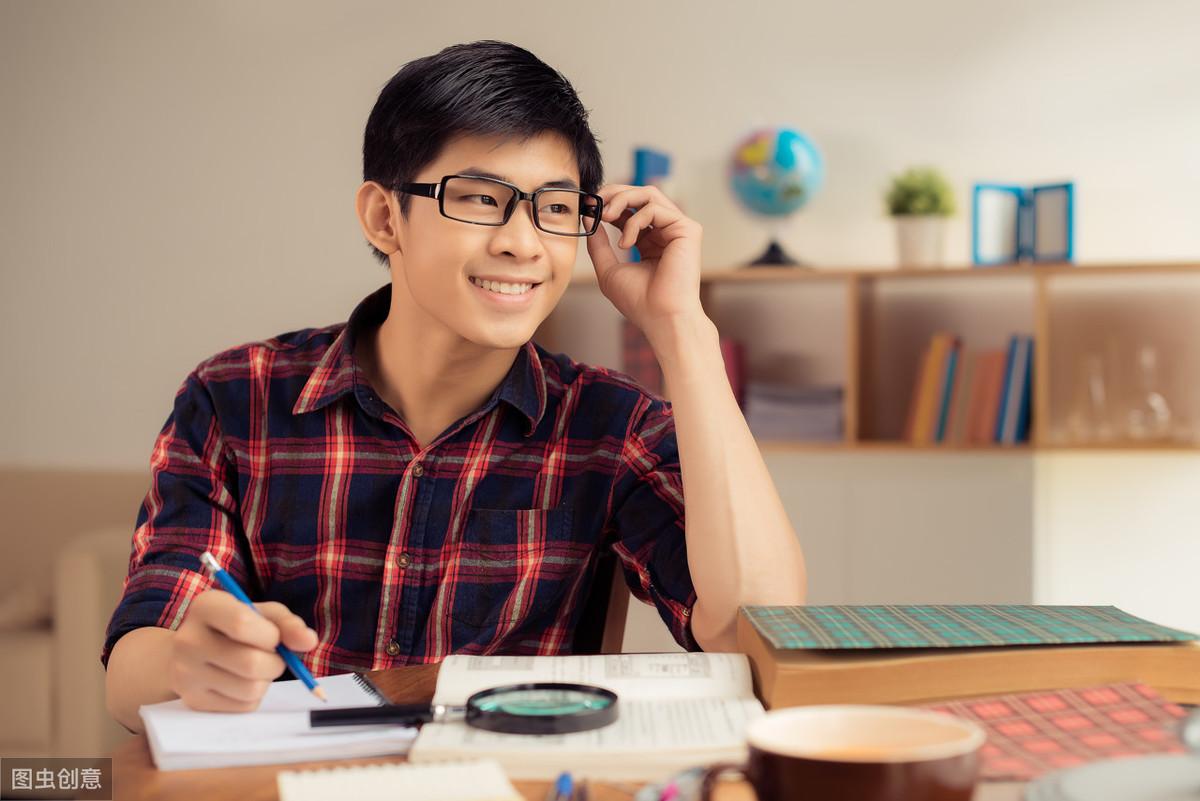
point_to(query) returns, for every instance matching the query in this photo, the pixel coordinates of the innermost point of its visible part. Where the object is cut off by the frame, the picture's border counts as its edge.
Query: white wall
(1120, 529)
(178, 178)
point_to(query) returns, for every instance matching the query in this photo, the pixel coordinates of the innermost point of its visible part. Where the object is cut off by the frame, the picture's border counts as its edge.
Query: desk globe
(774, 172)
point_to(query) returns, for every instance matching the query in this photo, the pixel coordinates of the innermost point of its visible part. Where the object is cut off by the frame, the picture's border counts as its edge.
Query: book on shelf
(675, 710)
(963, 396)
(733, 353)
(936, 364)
(990, 385)
(1013, 423)
(927, 654)
(946, 389)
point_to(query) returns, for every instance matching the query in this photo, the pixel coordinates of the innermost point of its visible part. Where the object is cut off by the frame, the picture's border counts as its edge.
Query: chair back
(602, 625)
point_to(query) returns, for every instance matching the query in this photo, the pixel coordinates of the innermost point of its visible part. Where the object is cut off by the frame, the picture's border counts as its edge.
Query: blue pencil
(290, 659)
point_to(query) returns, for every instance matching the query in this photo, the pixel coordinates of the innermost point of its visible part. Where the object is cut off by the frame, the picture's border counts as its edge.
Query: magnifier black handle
(391, 714)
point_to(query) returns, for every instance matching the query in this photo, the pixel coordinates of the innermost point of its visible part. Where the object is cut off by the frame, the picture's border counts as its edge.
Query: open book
(278, 731)
(674, 711)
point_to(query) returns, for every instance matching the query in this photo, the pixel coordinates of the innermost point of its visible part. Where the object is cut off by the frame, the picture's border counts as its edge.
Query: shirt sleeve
(647, 516)
(191, 507)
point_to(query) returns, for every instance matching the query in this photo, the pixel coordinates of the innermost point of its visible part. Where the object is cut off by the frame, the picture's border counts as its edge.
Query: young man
(423, 479)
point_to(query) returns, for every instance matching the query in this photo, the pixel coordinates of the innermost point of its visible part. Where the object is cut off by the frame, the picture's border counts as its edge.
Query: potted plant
(920, 199)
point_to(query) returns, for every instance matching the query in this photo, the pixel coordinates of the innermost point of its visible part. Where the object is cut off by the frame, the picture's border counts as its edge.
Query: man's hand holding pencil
(224, 655)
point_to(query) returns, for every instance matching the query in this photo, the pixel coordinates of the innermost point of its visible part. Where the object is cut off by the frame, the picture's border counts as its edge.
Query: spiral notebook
(278, 731)
(468, 780)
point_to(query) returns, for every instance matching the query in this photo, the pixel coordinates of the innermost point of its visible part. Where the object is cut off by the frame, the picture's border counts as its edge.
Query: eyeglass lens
(481, 200)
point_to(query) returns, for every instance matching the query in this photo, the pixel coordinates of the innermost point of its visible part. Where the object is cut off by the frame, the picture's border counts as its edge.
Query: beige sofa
(64, 551)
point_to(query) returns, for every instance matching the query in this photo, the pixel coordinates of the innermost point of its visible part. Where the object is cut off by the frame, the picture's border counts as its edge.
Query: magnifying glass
(535, 708)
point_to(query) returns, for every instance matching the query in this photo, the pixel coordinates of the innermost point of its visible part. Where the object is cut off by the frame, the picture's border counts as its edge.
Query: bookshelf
(865, 328)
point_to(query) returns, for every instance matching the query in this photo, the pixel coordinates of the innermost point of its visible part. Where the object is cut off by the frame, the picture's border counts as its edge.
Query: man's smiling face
(490, 285)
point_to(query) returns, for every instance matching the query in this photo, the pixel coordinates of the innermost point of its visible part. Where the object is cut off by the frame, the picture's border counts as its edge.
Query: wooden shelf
(864, 328)
(737, 275)
(896, 446)
(1163, 447)
(882, 446)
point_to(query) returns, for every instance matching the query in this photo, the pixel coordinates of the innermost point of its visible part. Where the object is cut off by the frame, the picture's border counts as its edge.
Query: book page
(692, 725)
(630, 676)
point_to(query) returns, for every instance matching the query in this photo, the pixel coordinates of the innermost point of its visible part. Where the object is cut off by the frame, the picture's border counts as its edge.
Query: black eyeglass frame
(438, 192)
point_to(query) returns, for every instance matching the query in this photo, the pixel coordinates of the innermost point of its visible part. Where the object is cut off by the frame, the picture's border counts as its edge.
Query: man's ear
(377, 207)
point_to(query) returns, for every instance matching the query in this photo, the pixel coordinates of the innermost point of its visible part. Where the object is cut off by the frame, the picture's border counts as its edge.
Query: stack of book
(777, 411)
(965, 396)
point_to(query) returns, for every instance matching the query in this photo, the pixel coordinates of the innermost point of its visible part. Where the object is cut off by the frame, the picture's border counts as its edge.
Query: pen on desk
(290, 659)
(561, 790)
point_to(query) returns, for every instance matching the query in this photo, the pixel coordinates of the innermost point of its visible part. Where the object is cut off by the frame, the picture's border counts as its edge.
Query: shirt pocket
(515, 566)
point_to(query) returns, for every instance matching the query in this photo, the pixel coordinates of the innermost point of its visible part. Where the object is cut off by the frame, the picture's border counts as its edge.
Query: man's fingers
(212, 701)
(297, 636)
(241, 660)
(634, 225)
(229, 616)
(293, 631)
(231, 685)
(637, 195)
(601, 252)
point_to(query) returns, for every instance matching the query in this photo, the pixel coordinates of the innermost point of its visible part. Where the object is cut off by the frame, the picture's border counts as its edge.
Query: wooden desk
(136, 779)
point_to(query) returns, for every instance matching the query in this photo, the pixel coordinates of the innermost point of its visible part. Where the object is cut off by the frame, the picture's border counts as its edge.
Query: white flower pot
(919, 239)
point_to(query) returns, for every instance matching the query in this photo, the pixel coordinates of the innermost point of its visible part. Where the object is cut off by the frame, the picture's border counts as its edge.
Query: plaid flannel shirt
(280, 459)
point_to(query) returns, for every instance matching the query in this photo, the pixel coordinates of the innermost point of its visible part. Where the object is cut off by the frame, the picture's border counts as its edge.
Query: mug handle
(714, 774)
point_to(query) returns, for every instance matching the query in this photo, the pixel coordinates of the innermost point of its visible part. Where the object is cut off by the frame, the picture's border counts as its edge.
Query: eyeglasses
(487, 201)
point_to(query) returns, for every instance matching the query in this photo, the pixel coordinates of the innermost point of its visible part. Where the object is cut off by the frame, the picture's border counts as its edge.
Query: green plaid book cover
(852, 627)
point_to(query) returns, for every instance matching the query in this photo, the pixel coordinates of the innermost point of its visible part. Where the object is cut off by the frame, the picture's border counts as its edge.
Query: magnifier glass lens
(543, 702)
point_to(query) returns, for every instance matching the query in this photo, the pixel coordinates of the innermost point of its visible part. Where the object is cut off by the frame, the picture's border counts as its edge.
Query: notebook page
(630, 676)
(277, 730)
(477, 780)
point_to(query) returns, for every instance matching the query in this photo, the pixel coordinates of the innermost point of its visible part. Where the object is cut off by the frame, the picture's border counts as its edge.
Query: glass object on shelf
(1148, 416)
(1089, 418)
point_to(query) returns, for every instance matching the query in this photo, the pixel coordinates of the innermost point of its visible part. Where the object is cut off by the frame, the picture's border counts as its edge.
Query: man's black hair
(482, 88)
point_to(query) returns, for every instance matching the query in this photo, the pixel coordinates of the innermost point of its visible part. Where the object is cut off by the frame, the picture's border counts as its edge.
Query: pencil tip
(320, 693)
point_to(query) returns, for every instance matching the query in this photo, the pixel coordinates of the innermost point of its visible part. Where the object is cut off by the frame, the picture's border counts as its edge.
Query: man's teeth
(503, 289)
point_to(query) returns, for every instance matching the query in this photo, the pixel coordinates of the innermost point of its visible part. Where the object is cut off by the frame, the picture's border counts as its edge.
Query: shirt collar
(337, 373)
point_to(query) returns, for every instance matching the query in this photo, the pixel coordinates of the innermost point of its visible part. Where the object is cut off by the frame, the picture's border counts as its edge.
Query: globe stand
(775, 256)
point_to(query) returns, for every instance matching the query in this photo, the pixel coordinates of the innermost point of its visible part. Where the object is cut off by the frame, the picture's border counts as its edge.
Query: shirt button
(418, 470)
(393, 648)
(404, 560)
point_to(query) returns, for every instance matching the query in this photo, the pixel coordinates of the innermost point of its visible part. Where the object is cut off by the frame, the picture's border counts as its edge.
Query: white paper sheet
(278, 731)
